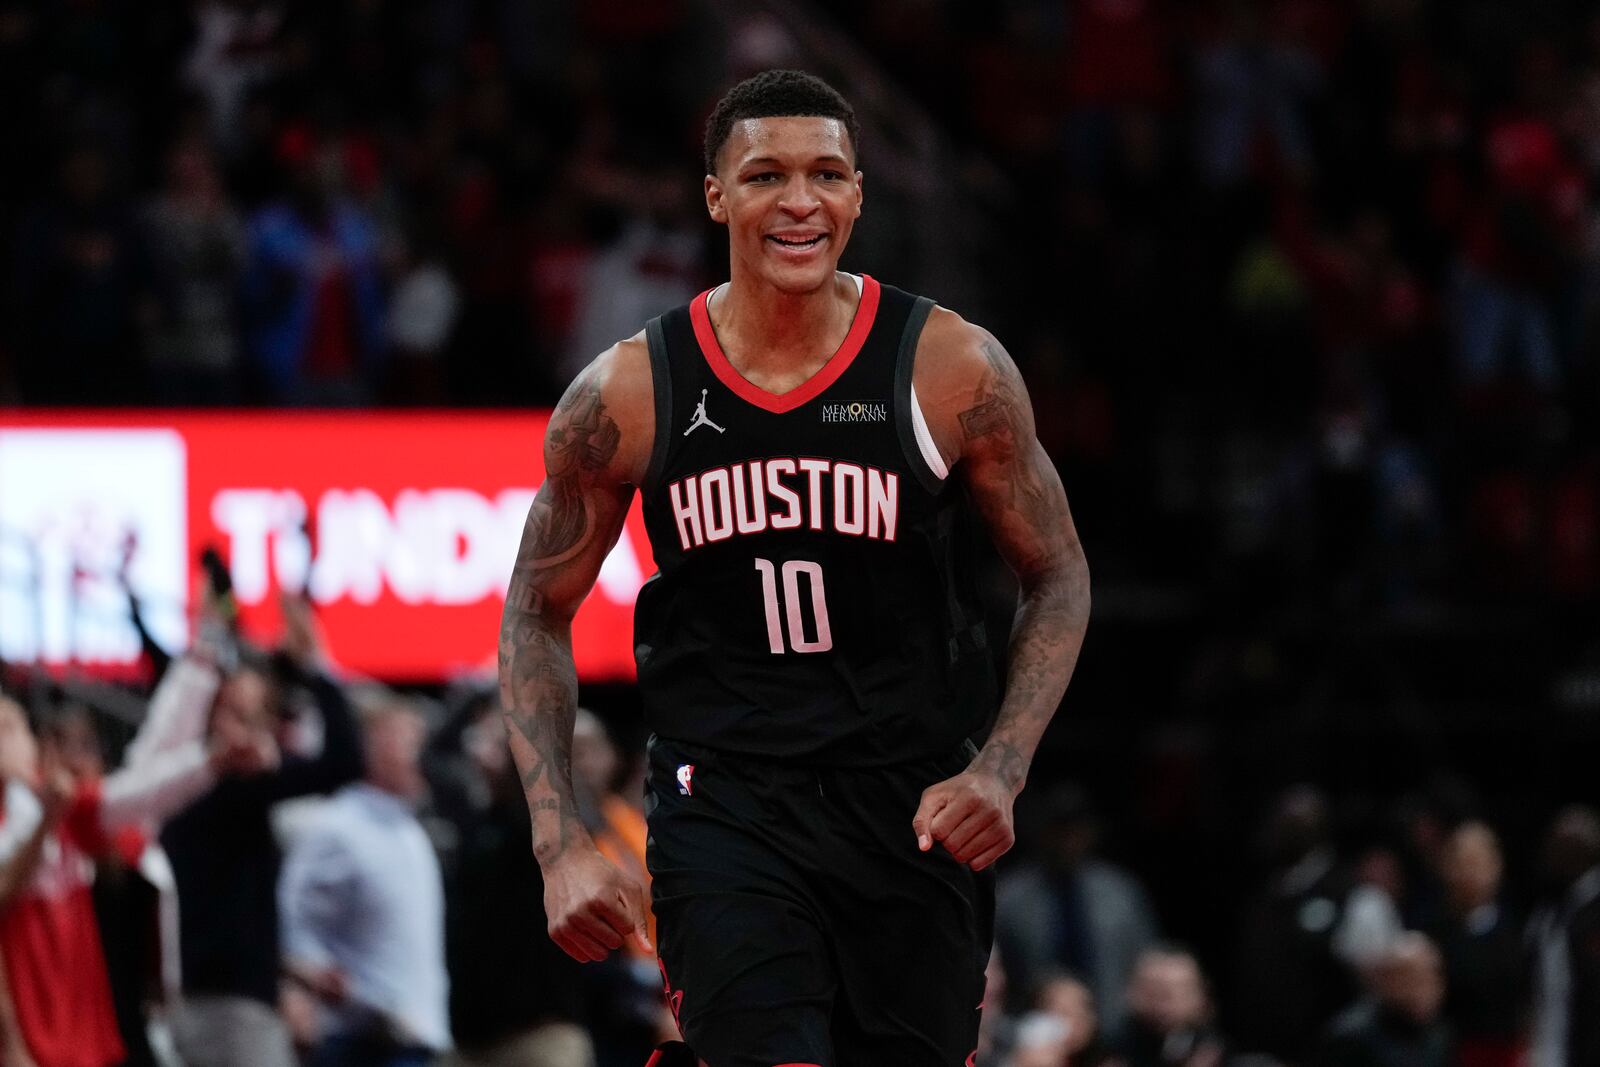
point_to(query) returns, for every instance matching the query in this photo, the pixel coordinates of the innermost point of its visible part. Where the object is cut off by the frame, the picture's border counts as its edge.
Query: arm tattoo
(997, 398)
(1020, 496)
(583, 440)
(1002, 420)
(538, 681)
(1005, 760)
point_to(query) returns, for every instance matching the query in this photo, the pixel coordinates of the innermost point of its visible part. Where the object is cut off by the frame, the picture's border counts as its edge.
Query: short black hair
(777, 94)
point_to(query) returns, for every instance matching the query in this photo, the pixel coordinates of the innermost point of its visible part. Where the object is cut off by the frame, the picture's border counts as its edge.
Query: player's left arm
(981, 418)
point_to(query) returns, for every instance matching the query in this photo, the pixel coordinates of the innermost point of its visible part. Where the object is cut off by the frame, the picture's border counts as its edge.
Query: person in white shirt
(362, 905)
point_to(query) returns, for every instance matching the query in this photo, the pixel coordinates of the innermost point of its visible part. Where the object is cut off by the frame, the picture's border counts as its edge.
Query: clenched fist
(591, 906)
(970, 815)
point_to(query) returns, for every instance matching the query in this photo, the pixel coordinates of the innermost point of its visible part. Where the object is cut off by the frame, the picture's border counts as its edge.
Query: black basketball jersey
(815, 597)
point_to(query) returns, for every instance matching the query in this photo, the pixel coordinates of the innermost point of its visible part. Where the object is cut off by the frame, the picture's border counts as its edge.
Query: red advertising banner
(402, 528)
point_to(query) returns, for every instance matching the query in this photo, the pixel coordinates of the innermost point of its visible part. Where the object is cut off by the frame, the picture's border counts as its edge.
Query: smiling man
(812, 658)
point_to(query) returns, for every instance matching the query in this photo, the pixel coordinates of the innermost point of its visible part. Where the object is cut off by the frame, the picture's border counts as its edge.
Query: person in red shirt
(59, 991)
(59, 1011)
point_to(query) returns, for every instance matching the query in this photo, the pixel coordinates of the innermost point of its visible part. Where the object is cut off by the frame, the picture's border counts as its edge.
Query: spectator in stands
(996, 1028)
(653, 264)
(628, 1015)
(1062, 1028)
(515, 998)
(234, 51)
(78, 287)
(1070, 910)
(1169, 1014)
(362, 900)
(1305, 932)
(126, 903)
(615, 819)
(226, 859)
(1399, 1021)
(197, 248)
(1482, 947)
(421, 320)
(1565, 937)
(1516, 244)
(313, 297)
(1069, 1000)
(51, 824)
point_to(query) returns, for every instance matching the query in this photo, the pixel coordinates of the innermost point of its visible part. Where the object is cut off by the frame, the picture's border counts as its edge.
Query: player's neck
(760, 326)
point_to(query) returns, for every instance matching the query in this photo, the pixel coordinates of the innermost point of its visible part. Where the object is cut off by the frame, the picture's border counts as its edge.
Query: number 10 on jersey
(789, 612)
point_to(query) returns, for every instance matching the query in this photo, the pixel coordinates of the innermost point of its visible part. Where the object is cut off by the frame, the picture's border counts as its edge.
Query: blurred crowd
(280, 865)
(1313, 281)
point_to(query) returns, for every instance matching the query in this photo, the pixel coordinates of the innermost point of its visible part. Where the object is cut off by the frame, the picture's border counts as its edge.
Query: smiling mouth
(798, 245)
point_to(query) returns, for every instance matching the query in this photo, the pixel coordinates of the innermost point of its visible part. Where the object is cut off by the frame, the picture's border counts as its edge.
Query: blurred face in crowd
(77, 743)
(1381, 867)
(1069, 830)
(243, 704)
(485, 743)
(1572, 847)
(1167, 991)
(192, 171)
(84, 176)
(1068, 844)
(394, 737)
(1070, 1001)
(1472, 866)
(1409, 979)
(594, 757)
(1297, 826)
(789, 193)
(19, 752)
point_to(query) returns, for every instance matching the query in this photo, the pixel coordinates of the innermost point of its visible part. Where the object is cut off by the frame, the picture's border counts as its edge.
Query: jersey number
(790, 609)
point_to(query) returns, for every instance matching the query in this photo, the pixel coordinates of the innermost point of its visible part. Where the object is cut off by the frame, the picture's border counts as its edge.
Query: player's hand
(592, 907)
(970, 815)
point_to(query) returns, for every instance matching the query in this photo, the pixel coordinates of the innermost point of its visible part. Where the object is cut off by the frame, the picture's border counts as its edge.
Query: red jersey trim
(811, 388)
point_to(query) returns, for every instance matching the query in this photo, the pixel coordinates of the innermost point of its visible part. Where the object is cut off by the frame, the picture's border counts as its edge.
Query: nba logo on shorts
(686, 779)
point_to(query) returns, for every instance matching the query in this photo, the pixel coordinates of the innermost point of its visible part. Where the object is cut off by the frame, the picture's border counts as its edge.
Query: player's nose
(799, 200)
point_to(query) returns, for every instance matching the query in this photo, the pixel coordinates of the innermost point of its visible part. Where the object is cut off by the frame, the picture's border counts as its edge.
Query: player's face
(789, 193)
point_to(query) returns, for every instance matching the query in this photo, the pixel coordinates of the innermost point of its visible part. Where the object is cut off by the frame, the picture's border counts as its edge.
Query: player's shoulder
(614, 396)
(953, 351)
(954, 359)
(622, 372)
(959, 365)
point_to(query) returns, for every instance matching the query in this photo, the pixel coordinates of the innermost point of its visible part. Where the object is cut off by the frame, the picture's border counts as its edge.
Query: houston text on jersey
(785, 494)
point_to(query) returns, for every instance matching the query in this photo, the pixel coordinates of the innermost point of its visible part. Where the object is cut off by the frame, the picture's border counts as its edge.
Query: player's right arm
(596, 449)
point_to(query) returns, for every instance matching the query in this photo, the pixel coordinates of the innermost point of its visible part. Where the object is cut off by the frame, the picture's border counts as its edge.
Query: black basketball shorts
(798, 922)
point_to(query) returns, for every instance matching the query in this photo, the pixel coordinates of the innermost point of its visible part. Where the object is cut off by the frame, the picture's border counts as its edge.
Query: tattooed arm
(596, 449)
(982, 420)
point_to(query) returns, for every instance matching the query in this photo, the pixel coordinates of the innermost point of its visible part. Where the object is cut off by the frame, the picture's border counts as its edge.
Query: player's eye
(763, 176)
(831, 176)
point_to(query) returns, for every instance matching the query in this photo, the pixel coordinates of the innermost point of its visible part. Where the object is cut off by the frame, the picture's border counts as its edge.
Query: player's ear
(716, 207)
(859, 194)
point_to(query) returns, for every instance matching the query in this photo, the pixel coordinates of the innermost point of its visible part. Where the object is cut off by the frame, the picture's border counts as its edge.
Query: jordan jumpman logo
(700, 417)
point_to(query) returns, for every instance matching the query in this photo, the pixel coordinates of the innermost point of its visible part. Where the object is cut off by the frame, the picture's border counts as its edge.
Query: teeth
(807, 243)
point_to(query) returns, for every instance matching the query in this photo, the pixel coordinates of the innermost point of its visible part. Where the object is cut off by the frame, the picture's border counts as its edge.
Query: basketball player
(811, 655)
